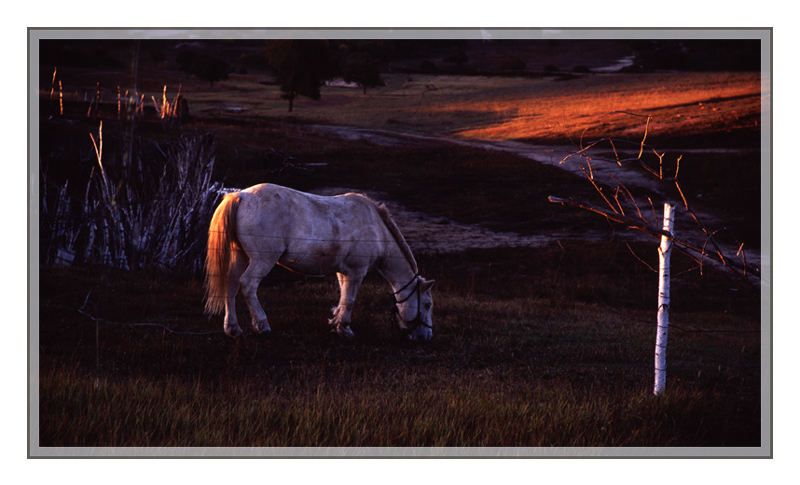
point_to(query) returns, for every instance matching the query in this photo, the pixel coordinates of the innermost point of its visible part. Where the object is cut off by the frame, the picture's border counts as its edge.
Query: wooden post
(664, 252)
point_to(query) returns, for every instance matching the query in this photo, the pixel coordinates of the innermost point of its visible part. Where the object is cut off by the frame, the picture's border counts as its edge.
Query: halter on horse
(408, 326)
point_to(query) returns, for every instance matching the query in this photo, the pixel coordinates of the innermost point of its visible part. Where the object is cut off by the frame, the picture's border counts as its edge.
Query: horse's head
(413, 311)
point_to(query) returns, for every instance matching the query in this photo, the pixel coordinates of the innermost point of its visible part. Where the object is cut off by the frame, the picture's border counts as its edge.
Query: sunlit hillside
(676, 102)
(502, 108)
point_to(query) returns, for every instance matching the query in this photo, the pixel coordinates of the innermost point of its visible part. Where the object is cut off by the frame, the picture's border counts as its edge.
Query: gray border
(38, 33)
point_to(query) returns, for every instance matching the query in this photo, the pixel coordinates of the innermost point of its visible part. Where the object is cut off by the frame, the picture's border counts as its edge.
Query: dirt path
(429, 235)
(549, 155)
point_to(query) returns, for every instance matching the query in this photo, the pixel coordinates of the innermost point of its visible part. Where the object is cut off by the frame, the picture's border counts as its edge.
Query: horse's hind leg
(238, 266)
(252, 276)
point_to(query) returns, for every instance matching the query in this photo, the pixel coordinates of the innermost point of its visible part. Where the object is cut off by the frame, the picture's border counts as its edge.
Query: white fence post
(664, 252)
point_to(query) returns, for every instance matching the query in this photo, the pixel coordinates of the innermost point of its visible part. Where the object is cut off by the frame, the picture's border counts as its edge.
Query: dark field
(533, 347)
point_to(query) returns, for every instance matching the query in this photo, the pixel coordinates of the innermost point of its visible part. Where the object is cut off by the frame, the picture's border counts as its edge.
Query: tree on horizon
(209, 68)
(362, 69)
(300, 66)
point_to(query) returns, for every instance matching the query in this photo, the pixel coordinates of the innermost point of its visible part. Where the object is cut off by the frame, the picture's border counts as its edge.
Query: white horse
(349, 234)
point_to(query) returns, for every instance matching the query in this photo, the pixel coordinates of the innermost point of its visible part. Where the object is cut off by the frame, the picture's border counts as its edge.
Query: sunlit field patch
(506, 108)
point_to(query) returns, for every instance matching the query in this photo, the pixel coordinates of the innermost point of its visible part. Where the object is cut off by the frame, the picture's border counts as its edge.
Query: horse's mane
(398, 236)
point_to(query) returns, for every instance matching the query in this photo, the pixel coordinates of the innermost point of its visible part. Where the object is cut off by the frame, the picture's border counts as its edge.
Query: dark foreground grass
(396, 411)
(537, 361)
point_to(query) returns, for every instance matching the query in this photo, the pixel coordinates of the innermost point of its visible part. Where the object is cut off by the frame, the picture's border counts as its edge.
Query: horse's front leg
(343, 313)
(250, 280)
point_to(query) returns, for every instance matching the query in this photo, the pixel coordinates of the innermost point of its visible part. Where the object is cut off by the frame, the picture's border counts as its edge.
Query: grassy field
(543, 347)
(561, 356)
(538, 110)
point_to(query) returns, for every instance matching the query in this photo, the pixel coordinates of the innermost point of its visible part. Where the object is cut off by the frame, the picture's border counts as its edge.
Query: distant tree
(157, 56)
(362, 69)
(652, 55)
(459, 58)
(427, 66)
(723, 54)
(255, 60)
(382, 49)
(185, 59)
(697, 55)
(512, 64)
(209, 68)
(300, 66)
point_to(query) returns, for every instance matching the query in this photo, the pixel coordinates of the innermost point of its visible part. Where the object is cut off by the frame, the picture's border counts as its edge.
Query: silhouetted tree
(362, 69)
(659, 54)
(512, 64)
(185, 59)
(157, 56)
(459, 58)
(300, 66)
(697, 54)
(209, 68)
(427, 66)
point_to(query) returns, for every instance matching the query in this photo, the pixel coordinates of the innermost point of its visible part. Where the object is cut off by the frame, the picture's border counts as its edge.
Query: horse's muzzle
(420, 334)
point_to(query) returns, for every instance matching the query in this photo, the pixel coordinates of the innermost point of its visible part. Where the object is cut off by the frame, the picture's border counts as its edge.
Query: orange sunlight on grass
(671, 99)
(546, 109)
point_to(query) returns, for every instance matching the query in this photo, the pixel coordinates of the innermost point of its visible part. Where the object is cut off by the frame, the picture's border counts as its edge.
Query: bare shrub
(137, 215)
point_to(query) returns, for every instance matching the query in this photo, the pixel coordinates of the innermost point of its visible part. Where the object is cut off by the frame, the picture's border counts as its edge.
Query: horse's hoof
(234, 332)
(262, 327)
(345, 332)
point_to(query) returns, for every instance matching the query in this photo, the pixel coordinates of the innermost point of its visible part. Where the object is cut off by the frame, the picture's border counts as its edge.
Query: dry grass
(533, 361)
(504, 108)
(673, 100)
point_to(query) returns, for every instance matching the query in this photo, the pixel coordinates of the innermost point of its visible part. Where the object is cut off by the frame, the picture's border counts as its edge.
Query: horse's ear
(427, 285)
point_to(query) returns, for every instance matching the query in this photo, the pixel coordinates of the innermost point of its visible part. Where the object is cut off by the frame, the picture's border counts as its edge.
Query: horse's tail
(223, 249)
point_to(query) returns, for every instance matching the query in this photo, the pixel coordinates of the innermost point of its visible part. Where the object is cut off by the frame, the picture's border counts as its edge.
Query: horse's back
(310, 233)
(278, 207)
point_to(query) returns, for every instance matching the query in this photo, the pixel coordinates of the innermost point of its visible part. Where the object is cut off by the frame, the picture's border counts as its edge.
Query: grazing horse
(256, 228)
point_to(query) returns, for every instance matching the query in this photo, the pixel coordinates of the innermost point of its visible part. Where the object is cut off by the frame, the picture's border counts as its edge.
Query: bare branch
(641, 147)
(683, 197)
(630, 196)
(616, 155)
(656, 231)
(709, 249)
(641, 260)
(616, 199)
(590, 176)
